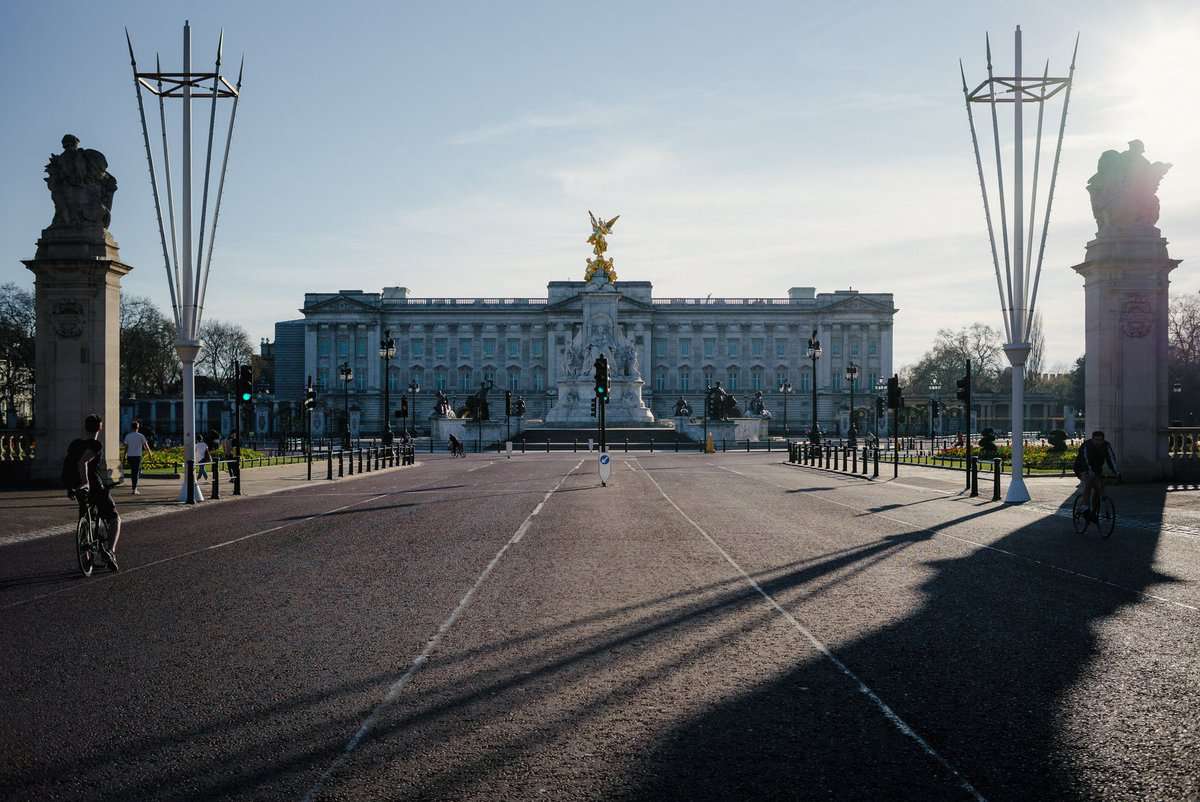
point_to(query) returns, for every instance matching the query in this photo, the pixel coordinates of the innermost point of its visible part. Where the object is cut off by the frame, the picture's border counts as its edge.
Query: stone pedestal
(1126, 382)
(78, 342)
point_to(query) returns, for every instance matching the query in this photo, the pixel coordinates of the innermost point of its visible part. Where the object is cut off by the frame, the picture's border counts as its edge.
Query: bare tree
(1037, 352)
(946, 361)
(149, 363)
(17, 323)
(222, 346)
(1183, 329)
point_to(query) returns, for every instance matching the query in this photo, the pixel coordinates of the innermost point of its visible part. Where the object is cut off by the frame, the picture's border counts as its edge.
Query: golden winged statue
(600, 229)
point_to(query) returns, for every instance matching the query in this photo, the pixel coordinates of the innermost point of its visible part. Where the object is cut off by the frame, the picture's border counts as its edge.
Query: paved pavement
(703, 628)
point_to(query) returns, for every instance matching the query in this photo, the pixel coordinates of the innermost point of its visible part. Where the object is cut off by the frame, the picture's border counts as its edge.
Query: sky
(456, 149)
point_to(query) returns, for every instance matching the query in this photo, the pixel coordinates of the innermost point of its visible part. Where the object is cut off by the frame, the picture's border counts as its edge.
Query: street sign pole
(604, 463)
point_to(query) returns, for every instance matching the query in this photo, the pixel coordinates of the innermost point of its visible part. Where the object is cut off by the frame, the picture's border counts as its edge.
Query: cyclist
(1093, 455)
(81, 475)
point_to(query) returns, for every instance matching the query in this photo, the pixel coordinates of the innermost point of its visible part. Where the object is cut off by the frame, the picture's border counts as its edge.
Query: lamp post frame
(1017, 283)
(346, 374)
(851, 377)
(814, 353)
(935, 386)
(413, 389)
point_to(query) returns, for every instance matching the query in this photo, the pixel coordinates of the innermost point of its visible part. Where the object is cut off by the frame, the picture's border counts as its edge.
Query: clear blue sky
(456, 148)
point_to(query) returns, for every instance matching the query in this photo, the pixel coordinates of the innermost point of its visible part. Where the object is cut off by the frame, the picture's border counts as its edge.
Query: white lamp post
(1018, 296)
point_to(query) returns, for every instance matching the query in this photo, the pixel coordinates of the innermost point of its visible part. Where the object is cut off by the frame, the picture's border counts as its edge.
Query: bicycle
(90, 532)
(1106, 516)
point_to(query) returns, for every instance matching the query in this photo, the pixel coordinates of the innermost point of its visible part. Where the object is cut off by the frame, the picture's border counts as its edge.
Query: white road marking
(822, 649)
(479, 467)
(394, 691)
(193, 552)
(944, 533)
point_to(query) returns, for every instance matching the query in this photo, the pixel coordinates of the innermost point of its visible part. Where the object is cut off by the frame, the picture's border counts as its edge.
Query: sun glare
(1152, 79)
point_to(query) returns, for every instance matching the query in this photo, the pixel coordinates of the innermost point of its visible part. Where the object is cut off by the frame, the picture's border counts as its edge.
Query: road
(705, 627)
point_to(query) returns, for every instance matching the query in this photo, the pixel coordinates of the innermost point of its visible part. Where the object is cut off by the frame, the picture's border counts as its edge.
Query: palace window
(836, 380)
(805, 380)
(872, 348)
(781, 378)
(756, 347)
(439, 380)
(514, 380)
(439, 348)
(536, 347)
(464, 347)
(464, 381)
(360, 380)
(854, 348)
(660, 348)
(360, 345)
(514, 348)
(418, 376)
(731, 380)
(418, 349)
(323, 346)
(781, 348)
(489, 348)
(685, 348)
(710, 347)
(660, 381)
(756, 379)
(684, 380)
(393, 380)
(734, 346)
(835, 348)
(708, 377)
(539, 381)
(489, 375)
(343, 350)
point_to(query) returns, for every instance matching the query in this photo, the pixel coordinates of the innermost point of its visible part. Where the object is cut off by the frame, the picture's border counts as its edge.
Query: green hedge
(1035, 456)
(165, 458)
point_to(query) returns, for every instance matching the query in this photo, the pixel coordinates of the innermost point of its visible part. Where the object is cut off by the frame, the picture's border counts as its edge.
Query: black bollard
(855, 461)
(995, 480)
(329, 464)
(216, 487)
(341, 464)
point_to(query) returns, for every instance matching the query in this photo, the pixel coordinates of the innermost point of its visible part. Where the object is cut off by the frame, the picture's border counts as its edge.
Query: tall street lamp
(881, 391)
(387, 351)
(851, 377)
(786, 390)
(814, 353)
(413, 389)
(346, 374)
(934, 387)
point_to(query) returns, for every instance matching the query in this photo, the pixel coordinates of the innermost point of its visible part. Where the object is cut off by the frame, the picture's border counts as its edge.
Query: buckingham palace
(681, 344)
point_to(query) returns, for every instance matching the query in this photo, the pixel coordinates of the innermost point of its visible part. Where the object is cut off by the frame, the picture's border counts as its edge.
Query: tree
(222, 346)
(1037, 352)
(1183, 330)
(149, 363)
(946, 361)
(17, 324)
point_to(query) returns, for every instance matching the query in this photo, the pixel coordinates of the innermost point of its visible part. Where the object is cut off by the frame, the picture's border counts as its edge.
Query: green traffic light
(245, 396)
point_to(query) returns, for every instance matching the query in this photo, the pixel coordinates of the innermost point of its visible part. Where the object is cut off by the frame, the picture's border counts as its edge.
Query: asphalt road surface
(721, 627)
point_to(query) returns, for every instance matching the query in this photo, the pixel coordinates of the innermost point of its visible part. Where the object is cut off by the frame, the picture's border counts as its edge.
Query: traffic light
(964, 389)
(310, 398)
(936, 409)
(593, 406)
(507, 402)
(893, 392)
(878, 406)
(245, 382)
(404, 406)
(602, 378)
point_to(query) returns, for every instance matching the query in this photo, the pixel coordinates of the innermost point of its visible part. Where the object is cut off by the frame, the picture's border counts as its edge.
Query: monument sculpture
(77, 298)
(1126, 280)
(722, 404)
(477, 404)
(682, 410)
(441, 406)
(758, 406)
(600, 334)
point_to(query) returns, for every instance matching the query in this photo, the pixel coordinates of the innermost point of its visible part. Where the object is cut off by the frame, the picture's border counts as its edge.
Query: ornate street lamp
(934, 387)
(346, 374)
(851, 377)
(387, 352)
(413, 389)
(786, 390)
(814, 353)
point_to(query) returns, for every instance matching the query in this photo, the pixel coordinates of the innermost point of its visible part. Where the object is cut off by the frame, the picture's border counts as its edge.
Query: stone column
(1125, 323)
(77, 293)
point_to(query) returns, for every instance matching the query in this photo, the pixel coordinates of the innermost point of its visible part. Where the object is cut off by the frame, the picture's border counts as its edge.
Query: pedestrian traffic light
(404, 406)
(893, 392)
(508, 402)
(245, 382)
(936, 409)
(964, 389)
(593, 406)
(878, 406)
(602, 378)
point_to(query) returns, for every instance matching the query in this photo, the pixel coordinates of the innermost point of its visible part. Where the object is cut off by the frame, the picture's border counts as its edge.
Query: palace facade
(683, 344)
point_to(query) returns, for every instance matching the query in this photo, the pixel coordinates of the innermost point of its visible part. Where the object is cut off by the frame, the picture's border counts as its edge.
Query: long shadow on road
(982, 670)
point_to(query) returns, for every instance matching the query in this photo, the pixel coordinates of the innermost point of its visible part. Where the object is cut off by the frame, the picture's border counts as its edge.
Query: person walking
(202, 457)
(136, 445)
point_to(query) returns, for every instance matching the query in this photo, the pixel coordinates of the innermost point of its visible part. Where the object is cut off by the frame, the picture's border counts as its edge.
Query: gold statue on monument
(600, 230)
